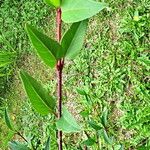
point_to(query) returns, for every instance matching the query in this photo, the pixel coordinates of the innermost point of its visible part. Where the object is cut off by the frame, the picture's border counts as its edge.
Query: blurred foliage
(13, 16)
(114, 71)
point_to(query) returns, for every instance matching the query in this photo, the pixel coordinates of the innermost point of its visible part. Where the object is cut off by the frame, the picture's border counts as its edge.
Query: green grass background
(113, 68)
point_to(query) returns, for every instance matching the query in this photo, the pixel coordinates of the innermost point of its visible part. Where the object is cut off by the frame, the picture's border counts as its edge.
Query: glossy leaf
(67, 123)
(73, 39)
(8, 121)
(39, 97)
(55, 3)
(78, 10)
(18, 146)
(47, 147)
(47, 49)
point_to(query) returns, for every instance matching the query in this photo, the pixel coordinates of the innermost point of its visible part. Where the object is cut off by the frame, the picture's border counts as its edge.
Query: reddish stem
(59, 69)
(85, 148)
(58, 20)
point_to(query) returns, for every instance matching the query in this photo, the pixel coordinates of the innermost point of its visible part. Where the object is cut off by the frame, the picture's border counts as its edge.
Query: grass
(113, 70)
(14, 15)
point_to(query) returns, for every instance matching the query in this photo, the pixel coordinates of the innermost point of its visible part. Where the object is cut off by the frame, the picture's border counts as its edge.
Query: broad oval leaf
(67, 123)
(8, 121)
(18, 146)
(78, 10)
(47, 147)
(55, 3)
(47, 49)
(39, 97)
(73, 39)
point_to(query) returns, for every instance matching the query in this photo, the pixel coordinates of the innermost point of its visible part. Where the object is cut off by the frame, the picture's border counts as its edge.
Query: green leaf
(48, 2)
(81, 92)
(48, 49)
(106, 138)
(8, 121)
(94, 125)
(104, 117)
(73, 39)
(55, 3)
(144, 60)
(2, 74)
(78, 10)
(85, 113)
(18, 146)
(3, 64)
(47, 147)
(39, 97)
(89, 142)
(6, 58)
(67, 123)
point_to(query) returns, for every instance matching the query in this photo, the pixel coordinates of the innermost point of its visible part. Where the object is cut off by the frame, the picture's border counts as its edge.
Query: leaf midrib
(36, 92)
(43, 45)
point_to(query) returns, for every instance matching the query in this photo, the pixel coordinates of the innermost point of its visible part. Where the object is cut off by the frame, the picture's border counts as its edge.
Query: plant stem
(22, 136)
(18, 133)
(85, 148)
(59, 90)
(59, 69)
(59, 22)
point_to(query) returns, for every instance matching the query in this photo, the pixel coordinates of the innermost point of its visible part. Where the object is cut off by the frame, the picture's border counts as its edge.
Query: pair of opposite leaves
(51, 51)
(72, 11)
